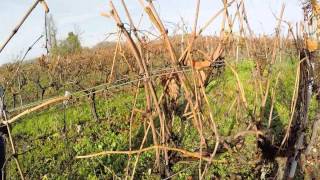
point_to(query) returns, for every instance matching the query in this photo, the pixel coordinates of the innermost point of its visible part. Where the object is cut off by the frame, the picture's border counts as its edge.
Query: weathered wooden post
(297, 142)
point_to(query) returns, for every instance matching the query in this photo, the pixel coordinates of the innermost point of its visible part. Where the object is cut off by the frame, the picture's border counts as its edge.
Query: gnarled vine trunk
(297, 140)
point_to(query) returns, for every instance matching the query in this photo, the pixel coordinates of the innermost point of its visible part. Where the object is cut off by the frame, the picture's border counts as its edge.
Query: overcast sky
(85, 15)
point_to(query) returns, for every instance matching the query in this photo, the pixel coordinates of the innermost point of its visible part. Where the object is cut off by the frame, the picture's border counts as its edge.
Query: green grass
(50, 152)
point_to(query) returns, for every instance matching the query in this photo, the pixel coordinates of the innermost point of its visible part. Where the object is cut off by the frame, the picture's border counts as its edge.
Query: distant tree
(70, 45)
(51, 31)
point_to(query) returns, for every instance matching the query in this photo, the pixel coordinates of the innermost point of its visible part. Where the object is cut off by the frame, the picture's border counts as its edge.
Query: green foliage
(51, 146)
(185, 170)
(70, 45)
(238, 163)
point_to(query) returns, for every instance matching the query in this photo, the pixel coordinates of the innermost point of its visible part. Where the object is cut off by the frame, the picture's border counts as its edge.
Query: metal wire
(106, 86)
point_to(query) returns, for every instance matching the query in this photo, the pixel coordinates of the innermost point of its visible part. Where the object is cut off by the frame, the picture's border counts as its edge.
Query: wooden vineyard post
(297, 141)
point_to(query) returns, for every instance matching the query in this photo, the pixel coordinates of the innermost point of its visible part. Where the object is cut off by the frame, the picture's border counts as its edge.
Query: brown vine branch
(182, 151)
(26, 112)
(16, 29)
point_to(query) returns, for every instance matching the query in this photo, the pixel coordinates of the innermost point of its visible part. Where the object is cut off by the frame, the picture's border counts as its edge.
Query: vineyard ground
(49, 140)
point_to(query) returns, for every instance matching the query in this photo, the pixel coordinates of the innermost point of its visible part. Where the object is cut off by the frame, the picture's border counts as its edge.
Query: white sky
(85, 14)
